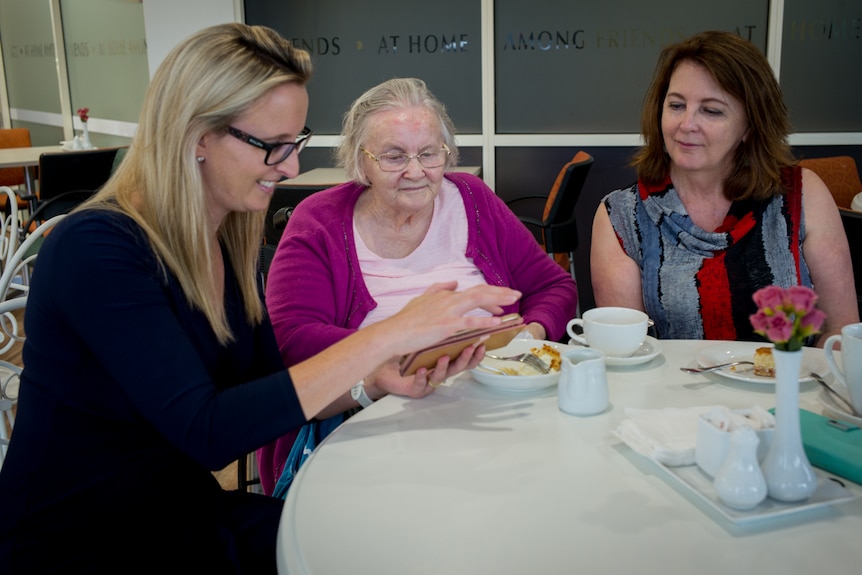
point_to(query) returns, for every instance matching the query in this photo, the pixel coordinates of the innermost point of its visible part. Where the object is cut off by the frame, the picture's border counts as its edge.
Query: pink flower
(760, 321)
(787, 317)
(779, 328)
(801, 298)
(84, 114)
(769, 298)
(811, 322)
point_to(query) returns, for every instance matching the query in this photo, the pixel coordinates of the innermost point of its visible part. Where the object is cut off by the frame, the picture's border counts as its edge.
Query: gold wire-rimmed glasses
(398, 161)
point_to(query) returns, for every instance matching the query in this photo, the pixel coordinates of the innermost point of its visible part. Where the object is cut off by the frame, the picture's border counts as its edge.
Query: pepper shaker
(739, 482)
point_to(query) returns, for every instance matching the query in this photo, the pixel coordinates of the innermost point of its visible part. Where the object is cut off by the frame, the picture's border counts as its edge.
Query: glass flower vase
(788, 473)
(85, 138)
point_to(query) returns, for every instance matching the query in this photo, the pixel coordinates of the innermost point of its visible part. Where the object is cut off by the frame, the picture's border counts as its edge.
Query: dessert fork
(714, 367)
(528, 358)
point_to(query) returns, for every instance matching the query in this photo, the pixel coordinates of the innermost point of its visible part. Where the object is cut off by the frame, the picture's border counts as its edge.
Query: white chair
(10, 375)
(9, 227)
(13, 297)
(16, 269)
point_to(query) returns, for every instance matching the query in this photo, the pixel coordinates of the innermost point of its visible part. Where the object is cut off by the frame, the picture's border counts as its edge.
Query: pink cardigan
(316, 295)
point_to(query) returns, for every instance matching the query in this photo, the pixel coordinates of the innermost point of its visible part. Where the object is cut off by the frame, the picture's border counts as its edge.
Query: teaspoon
(834, 392)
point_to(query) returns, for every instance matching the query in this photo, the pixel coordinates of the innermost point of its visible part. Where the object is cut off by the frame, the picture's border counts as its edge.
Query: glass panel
(106, 57)
(31, 72)
(356, 45)
(578, 67)
(821, 54)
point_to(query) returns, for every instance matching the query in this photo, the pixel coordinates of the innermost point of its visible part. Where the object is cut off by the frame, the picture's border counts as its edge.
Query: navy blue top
(127, 400)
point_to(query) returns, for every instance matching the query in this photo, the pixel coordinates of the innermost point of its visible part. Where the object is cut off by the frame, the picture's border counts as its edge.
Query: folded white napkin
(668, 435)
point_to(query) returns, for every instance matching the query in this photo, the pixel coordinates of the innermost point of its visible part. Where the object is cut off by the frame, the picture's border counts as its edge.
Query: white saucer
(834, 409)
(649, 349)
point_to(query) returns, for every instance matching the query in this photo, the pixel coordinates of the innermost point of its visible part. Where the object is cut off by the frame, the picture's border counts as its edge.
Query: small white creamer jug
(583, 387)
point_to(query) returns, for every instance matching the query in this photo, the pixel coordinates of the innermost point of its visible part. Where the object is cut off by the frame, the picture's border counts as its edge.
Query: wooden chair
(840, 175)
(13, 177)
(559, 227)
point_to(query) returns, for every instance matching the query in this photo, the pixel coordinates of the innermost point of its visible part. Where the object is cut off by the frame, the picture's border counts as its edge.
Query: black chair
(558, 228)
(246, 467)
(852, 221)
(74, 171)
(284, 199)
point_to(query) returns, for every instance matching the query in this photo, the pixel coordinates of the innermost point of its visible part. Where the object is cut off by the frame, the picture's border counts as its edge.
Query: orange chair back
(13, 138)
(840, 175)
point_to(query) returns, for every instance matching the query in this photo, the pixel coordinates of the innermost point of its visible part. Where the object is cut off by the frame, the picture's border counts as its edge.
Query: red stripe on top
(714, 293)
(793, 201)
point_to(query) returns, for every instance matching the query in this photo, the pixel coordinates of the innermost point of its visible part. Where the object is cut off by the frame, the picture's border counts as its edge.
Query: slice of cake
(764, 363)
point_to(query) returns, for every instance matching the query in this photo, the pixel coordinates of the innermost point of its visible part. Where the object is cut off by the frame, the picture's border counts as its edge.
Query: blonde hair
(205, 82)
(389, 95)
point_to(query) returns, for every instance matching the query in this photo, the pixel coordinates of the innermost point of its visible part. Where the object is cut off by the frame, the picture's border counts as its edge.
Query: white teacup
(617, 331)
(851, 360)
(583, 386)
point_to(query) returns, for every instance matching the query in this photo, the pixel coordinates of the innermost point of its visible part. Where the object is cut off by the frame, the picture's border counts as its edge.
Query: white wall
(167, 22)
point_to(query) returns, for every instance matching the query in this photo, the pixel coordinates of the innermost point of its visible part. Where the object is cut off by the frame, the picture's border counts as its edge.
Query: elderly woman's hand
(388, 379)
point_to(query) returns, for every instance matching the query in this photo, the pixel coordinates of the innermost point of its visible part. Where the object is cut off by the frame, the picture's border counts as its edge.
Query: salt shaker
(739, 482)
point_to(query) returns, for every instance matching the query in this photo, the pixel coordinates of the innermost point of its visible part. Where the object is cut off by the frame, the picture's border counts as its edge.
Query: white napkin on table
(668, 435)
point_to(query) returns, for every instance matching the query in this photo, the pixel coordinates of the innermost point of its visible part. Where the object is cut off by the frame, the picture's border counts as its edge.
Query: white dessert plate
(517, 383)
(692, 479)
(649, 349)
(812, 360)
(834, 409)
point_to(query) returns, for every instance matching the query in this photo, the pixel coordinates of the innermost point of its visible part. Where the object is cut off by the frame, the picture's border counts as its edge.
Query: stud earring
(200, 159)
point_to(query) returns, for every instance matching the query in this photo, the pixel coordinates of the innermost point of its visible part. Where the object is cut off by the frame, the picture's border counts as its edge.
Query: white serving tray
(692, 479)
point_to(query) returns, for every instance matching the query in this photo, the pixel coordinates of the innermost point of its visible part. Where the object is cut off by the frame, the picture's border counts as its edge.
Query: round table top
(475, 480)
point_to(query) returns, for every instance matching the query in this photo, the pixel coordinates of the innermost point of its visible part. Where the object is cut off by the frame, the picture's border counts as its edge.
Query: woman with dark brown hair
(720, 208)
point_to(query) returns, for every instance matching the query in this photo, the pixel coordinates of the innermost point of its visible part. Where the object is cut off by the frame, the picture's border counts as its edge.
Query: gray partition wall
(553, 76)
(582, 67)
(355, 45)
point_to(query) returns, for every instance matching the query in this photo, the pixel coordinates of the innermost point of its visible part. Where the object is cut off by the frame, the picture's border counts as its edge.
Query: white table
(472, 480)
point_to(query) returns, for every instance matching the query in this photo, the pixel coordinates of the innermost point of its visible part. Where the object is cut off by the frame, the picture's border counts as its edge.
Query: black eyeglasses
(276, 152)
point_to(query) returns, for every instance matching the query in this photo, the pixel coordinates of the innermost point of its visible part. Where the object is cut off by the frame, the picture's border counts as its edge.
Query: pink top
(440, 257)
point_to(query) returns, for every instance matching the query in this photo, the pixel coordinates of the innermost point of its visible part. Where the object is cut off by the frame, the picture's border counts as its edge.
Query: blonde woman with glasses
(354, 255)
(150, 360)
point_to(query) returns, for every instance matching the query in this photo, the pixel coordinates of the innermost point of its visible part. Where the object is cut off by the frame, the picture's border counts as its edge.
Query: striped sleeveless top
(699, 284)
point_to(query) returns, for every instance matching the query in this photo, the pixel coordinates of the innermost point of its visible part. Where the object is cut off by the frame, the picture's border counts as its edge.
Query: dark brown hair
(742, 71)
